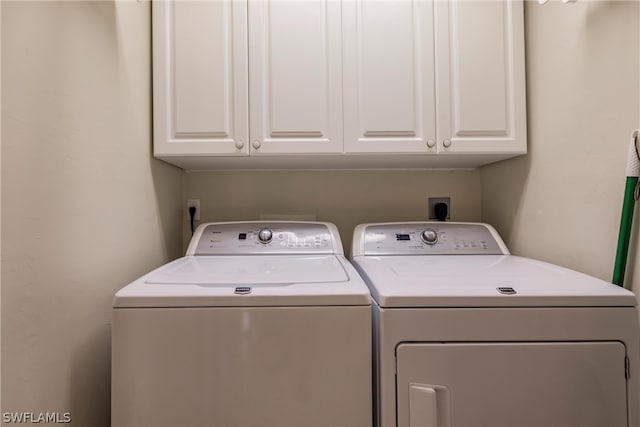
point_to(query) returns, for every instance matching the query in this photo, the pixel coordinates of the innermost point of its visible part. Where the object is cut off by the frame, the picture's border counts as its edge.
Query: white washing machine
(260, 324)
(466, 334)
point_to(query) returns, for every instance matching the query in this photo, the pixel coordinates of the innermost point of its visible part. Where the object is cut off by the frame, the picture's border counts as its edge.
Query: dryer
(466, 334)
(260, 324)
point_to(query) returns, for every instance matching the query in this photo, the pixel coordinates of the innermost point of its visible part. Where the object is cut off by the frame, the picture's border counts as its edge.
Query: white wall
(85, 207)
(561, 203)
(345, 198)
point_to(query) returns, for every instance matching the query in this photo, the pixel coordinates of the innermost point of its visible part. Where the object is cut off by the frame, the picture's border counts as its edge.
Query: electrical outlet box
(433, 201)
(196, 204)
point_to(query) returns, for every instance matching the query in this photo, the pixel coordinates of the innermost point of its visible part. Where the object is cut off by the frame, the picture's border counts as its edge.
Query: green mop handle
(628, 203)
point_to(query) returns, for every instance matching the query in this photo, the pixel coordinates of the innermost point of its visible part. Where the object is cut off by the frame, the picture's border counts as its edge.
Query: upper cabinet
(389, 77)
(480, 77)
(200, 72)
(295, 63)
(324, 83)
(434, 77)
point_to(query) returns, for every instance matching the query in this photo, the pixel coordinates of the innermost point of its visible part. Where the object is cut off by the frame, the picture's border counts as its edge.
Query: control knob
(265, 235)
(429, 236)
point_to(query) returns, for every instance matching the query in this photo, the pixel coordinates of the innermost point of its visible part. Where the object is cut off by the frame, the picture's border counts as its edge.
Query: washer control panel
(262, 238)
(437, 238)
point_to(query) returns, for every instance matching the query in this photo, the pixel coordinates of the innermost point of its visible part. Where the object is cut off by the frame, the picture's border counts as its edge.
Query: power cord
(442, 211)
(192, 214)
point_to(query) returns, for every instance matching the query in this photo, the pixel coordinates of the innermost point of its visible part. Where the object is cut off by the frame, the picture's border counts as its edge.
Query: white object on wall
(633, 159)
(563, 1)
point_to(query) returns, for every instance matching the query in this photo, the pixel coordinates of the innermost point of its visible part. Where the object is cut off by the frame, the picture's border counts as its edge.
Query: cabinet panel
(481, 77)
(201, 52)
(478, 69)
(200, 77)
(388, 76)
(295, 65)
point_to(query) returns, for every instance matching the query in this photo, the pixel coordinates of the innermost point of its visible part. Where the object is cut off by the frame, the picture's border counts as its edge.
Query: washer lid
(482, 281)
(252, 280)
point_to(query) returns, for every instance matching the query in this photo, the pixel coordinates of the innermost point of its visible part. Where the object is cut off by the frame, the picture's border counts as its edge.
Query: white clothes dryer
(260, 324)
(466, 334)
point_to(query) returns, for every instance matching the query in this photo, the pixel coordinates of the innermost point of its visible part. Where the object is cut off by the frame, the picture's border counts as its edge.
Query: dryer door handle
(424, 401)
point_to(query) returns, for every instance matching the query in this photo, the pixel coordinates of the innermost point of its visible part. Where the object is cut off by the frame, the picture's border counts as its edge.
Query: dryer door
(512, 384)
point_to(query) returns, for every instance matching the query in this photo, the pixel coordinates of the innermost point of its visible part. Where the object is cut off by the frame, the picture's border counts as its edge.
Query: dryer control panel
(272, 237)
(427, 238)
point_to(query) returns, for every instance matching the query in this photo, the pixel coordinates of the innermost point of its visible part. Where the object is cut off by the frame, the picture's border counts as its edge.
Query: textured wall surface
(85, 207)
(562, 202)
(346, 198)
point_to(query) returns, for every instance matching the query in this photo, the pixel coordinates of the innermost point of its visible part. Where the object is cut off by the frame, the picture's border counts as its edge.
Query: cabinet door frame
(361, 117)
(226, 135)
(452, 137)
(279, 127)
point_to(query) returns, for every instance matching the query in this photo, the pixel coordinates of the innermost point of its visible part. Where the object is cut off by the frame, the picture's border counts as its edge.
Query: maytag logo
(242, 290)
(507, 290)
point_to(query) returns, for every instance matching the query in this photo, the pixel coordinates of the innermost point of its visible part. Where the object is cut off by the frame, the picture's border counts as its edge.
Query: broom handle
(628, 203)
(624, 236)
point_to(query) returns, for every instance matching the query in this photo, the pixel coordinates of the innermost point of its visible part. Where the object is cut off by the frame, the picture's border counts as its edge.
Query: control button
(429, 236)
(265, 235)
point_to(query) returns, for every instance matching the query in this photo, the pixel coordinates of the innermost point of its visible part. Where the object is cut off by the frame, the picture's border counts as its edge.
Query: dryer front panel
(581, 384)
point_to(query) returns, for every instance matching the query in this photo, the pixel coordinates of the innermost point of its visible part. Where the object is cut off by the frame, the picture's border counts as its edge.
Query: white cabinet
(324, 83)
(434, 77)
(200, 90)
(295, 77)
(389, 74)
(480, 77)
(207, 54)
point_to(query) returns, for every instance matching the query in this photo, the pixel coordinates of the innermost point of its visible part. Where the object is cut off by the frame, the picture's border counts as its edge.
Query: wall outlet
(433, 201)
(196, 204)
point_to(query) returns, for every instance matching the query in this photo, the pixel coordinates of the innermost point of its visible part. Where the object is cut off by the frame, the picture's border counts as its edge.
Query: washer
(260, 324)
(466, 334)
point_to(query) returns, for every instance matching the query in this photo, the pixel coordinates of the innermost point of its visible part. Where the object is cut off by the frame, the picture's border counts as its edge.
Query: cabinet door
(296, 86)
(200, 78)
(389, 99)
(480, 77)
